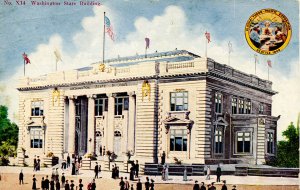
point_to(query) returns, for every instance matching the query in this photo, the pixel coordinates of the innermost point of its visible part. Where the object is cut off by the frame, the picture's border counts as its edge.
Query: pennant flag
(26, 59)
(207, 35)
(230, 47)
(256, 58)
(269, 63)
(109, 28)
(147, 43)
(57, 55)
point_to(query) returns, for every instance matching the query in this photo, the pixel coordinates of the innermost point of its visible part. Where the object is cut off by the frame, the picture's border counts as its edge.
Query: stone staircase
(177, 170)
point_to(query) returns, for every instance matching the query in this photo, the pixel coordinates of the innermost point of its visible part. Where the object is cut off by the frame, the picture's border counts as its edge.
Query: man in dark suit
(219, 172)
(196, 186)
(202, 186)
(68, 161)
(96, 169)
(224, 187)
(137, 168)
(163, 158)
(21, 178)
(147, 184)
(47, 183)
(139, 185)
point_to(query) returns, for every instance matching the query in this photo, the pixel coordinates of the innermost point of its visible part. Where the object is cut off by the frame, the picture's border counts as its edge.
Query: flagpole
(103, 38)
(255, 64)
(206, 47)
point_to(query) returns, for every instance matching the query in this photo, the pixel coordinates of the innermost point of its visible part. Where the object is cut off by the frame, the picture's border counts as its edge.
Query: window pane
(172, 94)
(240, 146)
(172, 100)
(179, 94)
(171, 144)
(184, 144)
(126, 103)
(179, 101)
(178, 144)
(179, 108)
(247, 146)
(172, 107)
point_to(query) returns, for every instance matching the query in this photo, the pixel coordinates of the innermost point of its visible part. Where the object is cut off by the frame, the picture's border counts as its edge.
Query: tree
(8, 136)
(288, 149)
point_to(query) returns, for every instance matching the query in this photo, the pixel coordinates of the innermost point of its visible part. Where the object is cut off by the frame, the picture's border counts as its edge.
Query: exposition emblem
(268, 31)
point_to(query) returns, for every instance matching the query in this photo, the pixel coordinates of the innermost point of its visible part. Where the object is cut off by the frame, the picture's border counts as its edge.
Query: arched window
(117, 134)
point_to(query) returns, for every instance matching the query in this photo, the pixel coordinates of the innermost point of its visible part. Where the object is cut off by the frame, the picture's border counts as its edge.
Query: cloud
(166, 32)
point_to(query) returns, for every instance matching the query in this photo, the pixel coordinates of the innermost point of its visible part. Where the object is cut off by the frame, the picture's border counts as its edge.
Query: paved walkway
(246, 180)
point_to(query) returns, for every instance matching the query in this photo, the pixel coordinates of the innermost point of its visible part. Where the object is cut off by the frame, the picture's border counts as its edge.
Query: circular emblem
(268, 31)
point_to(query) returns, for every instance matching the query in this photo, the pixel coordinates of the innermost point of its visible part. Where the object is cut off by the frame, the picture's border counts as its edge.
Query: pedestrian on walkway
(126, 184)
(139, 185)
(213, 186)
(132, 171)
(56, 174)
(63, 179)
(53, 173)
(68, 161)
(208, 173)
(147, 184)
(73, 169)
(21, 178)
(196, 186)
(67, 185)
(52, 185)
(47, 182)
(137, 168)
(38, 164)
(152, 184)
(99, 169)
(163, 158)
(34, 182)
(219, 172)
(122, 184)
(72, 185)
(57, 185)
(234, 187)
(80, 185)
(43, 184)
(224, 187)
(96, 169)
(131, 188)
(202, 186)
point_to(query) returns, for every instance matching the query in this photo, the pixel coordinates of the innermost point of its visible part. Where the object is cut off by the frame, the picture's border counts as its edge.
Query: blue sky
(170, 24)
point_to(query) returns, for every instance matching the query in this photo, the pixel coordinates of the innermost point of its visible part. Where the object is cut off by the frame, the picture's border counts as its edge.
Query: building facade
(190, 107)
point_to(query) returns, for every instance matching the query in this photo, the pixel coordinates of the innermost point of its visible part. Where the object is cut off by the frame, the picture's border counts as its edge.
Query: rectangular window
(241, 106)
(218, 102)
(36, 138)
(243, 142)
(100, 106)
(261, 109)
(248, 106)
(270, 143)
(37, 108)
(179, 101)
(178, 140)
(219, 141)
(121, 104)
(234, 105)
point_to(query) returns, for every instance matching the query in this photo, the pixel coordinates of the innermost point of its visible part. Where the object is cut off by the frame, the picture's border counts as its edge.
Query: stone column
(131, 122)
(91, 124)
(110, 122)
(71, 139)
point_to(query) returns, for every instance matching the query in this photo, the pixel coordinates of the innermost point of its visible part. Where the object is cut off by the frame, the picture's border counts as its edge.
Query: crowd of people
(211, 186)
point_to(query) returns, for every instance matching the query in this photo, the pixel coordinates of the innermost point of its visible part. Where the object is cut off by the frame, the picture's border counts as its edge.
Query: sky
(77, 32)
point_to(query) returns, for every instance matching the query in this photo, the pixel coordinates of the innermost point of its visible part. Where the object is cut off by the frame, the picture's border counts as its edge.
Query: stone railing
(228, 71)
(122, 70)
(180, 65)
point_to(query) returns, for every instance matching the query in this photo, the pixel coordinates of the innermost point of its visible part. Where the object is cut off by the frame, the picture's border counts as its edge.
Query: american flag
(109, 28)
(207, 35)
(269, 63)
(25, 57)
(147, 43)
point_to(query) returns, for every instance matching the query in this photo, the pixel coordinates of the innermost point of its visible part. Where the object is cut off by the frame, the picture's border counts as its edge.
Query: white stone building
(193, 108)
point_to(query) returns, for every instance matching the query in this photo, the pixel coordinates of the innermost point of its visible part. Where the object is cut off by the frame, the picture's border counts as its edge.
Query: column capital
(91, 96)
(132, 93)
(111, 95)
(72, 97)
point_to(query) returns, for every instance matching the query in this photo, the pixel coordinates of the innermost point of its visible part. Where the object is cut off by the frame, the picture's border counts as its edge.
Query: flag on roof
(26, 59)
(109, 28)
(147, 43)
(57, 55)
(207, 35)
(269, 63)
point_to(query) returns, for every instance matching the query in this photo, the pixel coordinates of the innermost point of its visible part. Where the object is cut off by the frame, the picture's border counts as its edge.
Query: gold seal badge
(268, 31)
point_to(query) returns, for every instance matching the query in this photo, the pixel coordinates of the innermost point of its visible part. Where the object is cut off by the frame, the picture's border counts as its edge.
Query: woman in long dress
(167, 173)
(34, 182)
